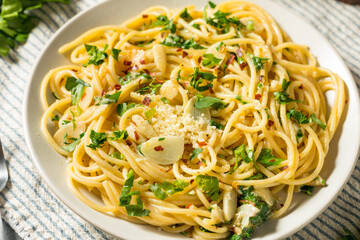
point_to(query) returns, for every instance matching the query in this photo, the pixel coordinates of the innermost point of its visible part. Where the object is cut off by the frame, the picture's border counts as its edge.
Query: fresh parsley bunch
(16, 23)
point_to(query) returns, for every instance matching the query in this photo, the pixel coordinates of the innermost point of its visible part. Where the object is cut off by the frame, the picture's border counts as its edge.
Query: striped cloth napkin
(36, 213)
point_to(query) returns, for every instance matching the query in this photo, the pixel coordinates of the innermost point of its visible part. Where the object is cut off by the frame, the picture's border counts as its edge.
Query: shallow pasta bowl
(340, 160)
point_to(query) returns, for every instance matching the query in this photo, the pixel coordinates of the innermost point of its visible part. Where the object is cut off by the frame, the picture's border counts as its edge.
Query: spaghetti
(193, 121)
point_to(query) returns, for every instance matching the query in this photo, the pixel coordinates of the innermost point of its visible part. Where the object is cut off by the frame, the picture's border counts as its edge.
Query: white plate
(339, 164)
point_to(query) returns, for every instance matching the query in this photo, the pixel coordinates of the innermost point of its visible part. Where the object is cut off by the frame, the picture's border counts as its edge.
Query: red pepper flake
(159, 81)
(127, 63)
(190, 56)
(257, 96)
(285, 167)
(179, 49)
(83, 96)
(222, 49)
(199, 59)
(117, 87)
(169, 169)
(243, 65)
(191, 181)
(261, 77)
(346, 101)
(270, 123)
(136, 135)
(162, 34)
(146, 101)
(184, 54)
(230, 60)
(145, 16)
(301, 86)
(239, 53)
(142, 61)
(281, 205)
(128, 143)
(102, 93)
(153, 74)
(146, 71)
(159, 148)
(200, 163)
(189, 205)
(211, 91)
(202, 144)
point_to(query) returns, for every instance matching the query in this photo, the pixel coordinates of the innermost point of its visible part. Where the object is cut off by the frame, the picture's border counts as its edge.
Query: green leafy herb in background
(16, 23)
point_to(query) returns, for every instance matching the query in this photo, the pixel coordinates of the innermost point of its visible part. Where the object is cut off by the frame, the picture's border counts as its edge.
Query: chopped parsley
(107, 99)
(151, 88)
(185, 15)
(195, 153)
(299, 116)
(150, 113)
(258, 61)
(97, 139)
(283, 97)
(97, 57)
(313, 118)
(219, 47)
(55, 118)
(120, 135)
(209, 185)
(205, 102)
(307, 189)
(174, 40)
(217, 124)
(250, 25)
(212, 5)
(165, 189)
(126, 195)
(244, 153)
(77, 88)
(123, 107)
(197, 80)
(239, 98)
(165, 100)
(117, 155)
(267, 158)
(209, 60)
(299, 135)
(54, 95)
(161, 139)
(115, 53)
(223, 23)
(71, 146)
(196, 25)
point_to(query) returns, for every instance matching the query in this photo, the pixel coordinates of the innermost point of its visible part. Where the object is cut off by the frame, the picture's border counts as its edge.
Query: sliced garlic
(159, 57)
(242, 217)
(143, 127)
(203, 113)
(229, 204)
(163, 150)
(71, 133)
(169, 90)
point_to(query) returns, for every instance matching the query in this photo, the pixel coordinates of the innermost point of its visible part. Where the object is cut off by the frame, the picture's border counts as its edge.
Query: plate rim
(349, 85)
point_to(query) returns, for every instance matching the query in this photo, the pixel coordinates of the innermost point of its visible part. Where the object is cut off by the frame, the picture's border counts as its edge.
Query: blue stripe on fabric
(336, 221)
(45, 190)
(351, 196)
(26, 220)
(352, 187)
(344, 217)
(51, 6)
(38, 181)
(310, 233)
(10, 79)
(347, 202)
(8, 90)
(298, 236)
(324, 34)
(345, 210)
(320, 230)
(57, 26)
(68, 16)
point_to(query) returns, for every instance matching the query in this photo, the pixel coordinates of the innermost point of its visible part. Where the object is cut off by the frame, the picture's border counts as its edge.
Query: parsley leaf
(299, 116)
(267, 158)
(97, 57)
(195, 153)
(71, 146)
(239, 97)
(126, 195)
(250, 25)
(185, 15)
(258, 61)
(210, 60)
(165, 100)
(120, 135)
(151, 88)
(115, 53)
(204, 102)
(107, 99)
(55, 118)
(220, 45)
(149, 113)
(97, 139)
(211, 4)
(209, 185)
(299, 135)
(163, 190)
(313, 118)
(174, 40)
(161, 20)
(77, 87)
(307, 189)
(117, 155)
(123, 107)
(245, 153)
(198, 78)
(216, 124)
(221, 21)
(283, 97)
